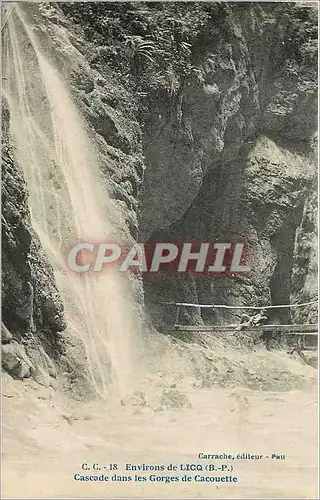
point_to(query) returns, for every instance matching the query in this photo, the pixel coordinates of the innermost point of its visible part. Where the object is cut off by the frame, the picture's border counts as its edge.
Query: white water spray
(68, 202)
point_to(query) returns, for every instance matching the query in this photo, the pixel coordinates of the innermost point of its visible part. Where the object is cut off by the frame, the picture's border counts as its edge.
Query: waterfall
(68, 202)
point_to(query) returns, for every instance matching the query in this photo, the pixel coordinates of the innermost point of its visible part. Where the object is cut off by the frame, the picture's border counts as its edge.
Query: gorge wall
(204, 116)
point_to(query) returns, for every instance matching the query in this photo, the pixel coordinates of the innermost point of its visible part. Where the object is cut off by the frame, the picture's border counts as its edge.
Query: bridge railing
(303, 330)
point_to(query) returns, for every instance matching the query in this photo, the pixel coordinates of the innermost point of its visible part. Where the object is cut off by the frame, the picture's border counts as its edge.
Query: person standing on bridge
(244, 322)
(259, 319)
(254, 321)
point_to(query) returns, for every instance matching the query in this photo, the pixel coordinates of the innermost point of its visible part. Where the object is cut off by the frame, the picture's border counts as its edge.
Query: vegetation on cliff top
(156, 45)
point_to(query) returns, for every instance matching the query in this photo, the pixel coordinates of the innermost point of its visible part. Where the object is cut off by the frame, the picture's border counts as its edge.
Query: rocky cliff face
(259, 199)
(204, 116)
(32, 311)
(235, 161)
(305, 262)
(35, 339)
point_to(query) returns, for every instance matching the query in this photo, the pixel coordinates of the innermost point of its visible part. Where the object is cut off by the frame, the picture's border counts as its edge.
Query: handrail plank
(295, 329)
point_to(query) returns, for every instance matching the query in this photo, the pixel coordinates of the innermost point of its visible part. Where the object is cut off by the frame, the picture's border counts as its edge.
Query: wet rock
(110, 124)
(44, 370)
(15, 361)
(138, 399)
(312, 361)
(30, 299)
(6, 336)
(173, 399)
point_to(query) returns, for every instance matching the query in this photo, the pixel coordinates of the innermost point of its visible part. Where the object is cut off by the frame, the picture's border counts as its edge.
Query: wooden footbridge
(302, 330)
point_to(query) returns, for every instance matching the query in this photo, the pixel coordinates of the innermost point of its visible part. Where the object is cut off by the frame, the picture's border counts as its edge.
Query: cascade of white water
(68, 202)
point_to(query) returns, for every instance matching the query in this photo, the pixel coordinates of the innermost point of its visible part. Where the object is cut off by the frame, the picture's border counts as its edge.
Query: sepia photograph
(159, 248)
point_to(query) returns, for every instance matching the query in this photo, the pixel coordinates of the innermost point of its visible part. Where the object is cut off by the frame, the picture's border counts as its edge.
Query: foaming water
(68, 203)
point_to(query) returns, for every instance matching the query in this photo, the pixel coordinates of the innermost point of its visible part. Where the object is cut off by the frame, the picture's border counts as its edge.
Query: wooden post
(213, 310)
(176, 324)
